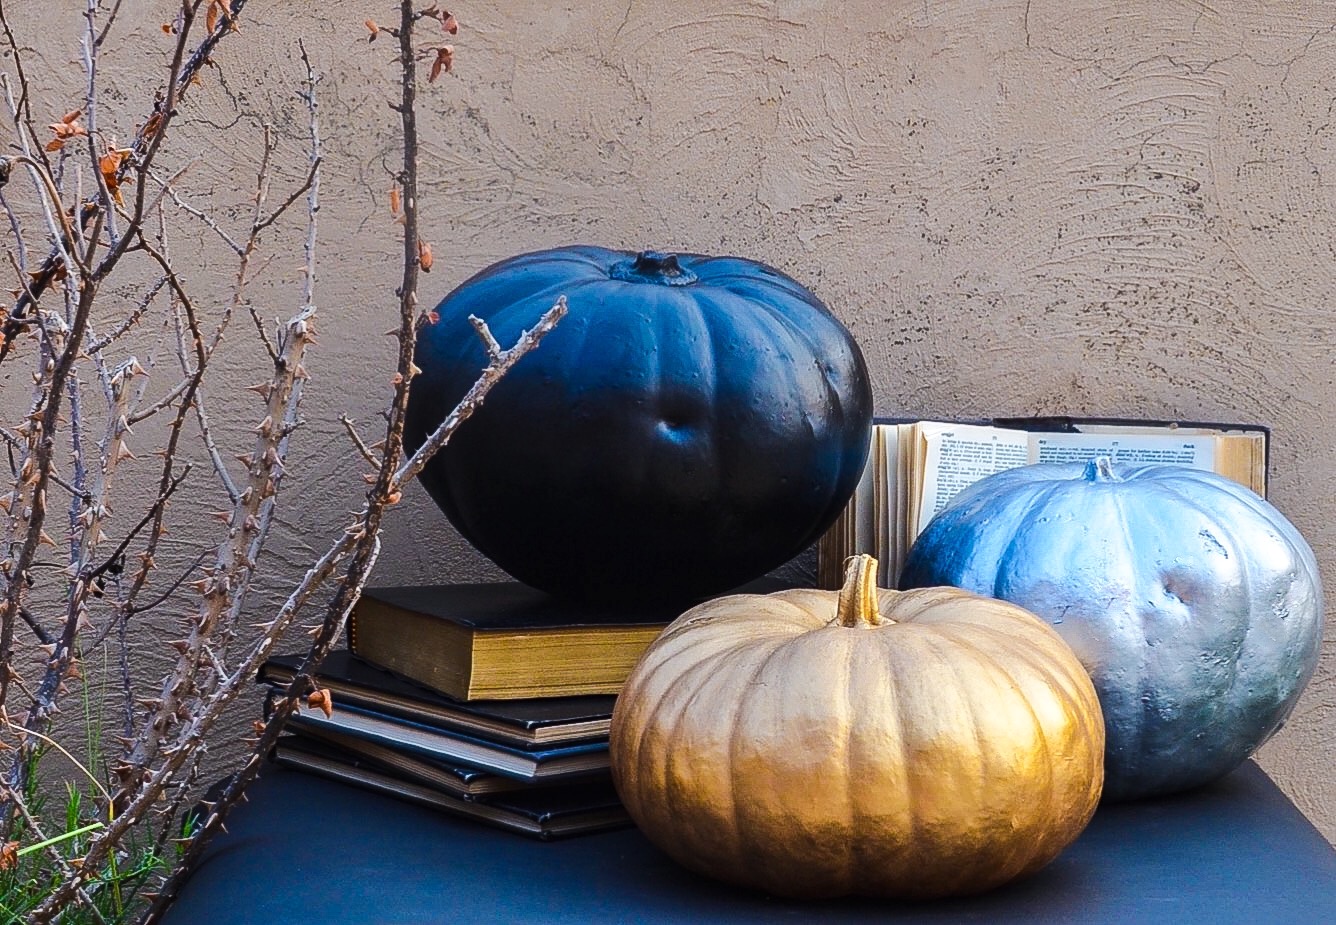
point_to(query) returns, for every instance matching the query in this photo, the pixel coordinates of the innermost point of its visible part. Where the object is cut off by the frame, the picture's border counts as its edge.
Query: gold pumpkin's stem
(858, 598)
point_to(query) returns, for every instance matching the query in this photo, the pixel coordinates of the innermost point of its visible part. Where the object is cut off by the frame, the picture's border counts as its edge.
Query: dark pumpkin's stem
(653, 267)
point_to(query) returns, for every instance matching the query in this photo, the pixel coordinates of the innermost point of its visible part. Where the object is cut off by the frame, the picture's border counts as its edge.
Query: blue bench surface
(305, 849)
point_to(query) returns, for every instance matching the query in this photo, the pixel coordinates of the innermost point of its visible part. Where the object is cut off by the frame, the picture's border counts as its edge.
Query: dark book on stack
(560, 762)
(539, 766)
(531, 723)
(548, 812)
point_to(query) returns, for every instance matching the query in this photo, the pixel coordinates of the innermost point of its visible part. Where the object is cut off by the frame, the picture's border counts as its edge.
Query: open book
(915, 467)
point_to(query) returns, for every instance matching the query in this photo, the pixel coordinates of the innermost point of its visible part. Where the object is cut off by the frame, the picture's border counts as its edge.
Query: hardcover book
(543, 812)
(446, 776)
(504, 641)
(526, 723)
(547, 764)
(915, 468)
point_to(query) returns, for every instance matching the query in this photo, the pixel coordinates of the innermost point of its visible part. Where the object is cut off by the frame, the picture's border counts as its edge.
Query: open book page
(1178, 449)
(956, 456)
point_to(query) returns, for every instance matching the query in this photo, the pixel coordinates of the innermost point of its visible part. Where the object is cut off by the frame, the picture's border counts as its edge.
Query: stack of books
(491, 701)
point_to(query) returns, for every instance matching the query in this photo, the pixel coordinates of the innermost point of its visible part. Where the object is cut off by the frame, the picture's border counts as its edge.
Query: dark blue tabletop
(304, 849)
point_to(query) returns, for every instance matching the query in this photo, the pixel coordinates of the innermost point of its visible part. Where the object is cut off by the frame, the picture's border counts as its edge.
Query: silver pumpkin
(1193, 603)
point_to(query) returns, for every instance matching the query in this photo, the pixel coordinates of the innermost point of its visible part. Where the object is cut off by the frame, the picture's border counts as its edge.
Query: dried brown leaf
(323, 700)
(444, 62)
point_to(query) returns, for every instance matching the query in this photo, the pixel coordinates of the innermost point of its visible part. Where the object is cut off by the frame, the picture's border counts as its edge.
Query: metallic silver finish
(1193, 603)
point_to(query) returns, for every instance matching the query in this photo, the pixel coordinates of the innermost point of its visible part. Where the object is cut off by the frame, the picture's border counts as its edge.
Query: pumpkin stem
(653, 267)
(1100, 469)
(857, 605)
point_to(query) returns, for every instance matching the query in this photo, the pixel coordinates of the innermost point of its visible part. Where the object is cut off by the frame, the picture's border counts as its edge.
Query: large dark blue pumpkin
(1194, 604)
(691, 424)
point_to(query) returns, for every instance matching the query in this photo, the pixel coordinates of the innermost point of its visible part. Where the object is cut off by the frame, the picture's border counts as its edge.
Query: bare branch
(207, 220)
(292, 199)
(356, 438)
(105, 341)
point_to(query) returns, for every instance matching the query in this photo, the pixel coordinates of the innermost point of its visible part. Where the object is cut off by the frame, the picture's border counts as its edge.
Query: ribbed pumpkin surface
(1193, 603)
(692, 423)
(762, 741)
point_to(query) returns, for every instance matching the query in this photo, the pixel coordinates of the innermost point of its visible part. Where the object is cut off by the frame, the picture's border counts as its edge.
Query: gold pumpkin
(899, 744)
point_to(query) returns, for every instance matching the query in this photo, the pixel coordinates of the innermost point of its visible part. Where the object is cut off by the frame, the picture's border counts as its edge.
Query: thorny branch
(110, 578)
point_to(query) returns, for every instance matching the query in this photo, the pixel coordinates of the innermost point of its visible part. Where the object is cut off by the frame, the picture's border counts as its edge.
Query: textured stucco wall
(1018, 208)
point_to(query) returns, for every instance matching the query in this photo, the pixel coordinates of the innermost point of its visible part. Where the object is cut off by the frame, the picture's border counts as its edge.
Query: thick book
(539, 764)
(527, 723)
(915, 468)
(505, 641)
(544, 812)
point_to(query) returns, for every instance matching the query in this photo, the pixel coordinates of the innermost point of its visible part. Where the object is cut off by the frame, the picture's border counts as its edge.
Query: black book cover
(542, 812)
(551, 763)
(528, 723)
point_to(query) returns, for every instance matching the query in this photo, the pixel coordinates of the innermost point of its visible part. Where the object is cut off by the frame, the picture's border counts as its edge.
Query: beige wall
(1018, 207)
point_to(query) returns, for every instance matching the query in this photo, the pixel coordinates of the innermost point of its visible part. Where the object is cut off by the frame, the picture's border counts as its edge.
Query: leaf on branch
(68, 127)
(9, 855)
(445, 61)
(424, 256)
(446, 18)
(323, 700)
(109, 166)
(394, 200)
(218, 9)
(372, 28)
(226, 10)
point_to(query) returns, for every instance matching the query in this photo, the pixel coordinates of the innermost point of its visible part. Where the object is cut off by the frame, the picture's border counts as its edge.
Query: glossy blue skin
(1193, 603)
(677, 434)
